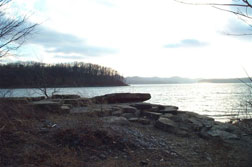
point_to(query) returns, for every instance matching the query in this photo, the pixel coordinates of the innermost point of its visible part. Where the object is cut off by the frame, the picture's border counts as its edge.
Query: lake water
(220, 101)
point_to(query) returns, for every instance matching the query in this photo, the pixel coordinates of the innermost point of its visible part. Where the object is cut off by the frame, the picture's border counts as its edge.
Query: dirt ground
(35, 138)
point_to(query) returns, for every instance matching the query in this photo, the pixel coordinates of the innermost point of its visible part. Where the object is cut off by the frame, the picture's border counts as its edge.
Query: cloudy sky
(138, 37)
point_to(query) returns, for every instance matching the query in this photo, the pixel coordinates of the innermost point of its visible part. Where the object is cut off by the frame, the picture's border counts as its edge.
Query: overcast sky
(138, 37)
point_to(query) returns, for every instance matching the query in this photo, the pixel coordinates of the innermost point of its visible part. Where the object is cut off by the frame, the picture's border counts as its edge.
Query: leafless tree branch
(239, 8)
(213, 4)
(13, 32)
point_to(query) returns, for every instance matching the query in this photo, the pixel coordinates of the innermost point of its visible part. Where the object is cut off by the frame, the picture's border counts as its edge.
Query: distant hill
(230, 80)
(158, 80)
(180, 80)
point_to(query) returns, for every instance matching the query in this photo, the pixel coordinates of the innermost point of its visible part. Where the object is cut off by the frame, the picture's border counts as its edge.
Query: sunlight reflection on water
(220, 101)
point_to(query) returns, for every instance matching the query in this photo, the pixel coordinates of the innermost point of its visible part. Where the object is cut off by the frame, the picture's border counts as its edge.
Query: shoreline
(222, 117)
(117, 129)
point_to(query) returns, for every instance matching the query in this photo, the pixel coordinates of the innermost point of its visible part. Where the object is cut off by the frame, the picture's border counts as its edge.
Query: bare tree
(241, 8)
(13, 31)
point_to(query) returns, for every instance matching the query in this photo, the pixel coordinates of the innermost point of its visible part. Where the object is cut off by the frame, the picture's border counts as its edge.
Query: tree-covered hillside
(32, 75)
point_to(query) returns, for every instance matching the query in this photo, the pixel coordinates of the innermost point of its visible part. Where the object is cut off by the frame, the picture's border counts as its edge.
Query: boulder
(129, 115)
(65, 108)
(127, 108)
(142, 106)
(151, 115)
(168, 115)
(92, 111)
(196, 124)
(30, 99)
(73, 102)
(158, 106)
(199, 120)
(169, 109)
(50, 106)
(121, 98)
(81, 102)
(140, 120)
(224, 135)
(65, 96)
(166, 124)
(117, 113)
(226, 127)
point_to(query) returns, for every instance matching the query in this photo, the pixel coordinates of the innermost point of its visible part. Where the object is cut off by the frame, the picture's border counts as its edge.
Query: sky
(147, 38)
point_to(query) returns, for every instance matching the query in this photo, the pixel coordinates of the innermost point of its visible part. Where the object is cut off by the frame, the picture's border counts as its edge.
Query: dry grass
(79, 140)
(72, 143)
(22, 145)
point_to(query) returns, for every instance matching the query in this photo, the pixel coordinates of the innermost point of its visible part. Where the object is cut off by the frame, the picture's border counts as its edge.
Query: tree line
(78, 74)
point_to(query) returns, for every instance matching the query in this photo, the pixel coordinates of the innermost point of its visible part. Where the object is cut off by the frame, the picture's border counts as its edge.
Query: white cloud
(138, 30)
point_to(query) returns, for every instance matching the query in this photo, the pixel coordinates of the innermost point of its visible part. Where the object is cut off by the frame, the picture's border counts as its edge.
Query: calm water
(220, 101)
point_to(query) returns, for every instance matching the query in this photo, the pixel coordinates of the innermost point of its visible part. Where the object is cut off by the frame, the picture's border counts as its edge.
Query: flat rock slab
(51, 106)
(224, 135)
(65, 96)
(92, 111)
(80, 102)
(39, 98)
(151, 115)
(142, 106)
(121, 98)
(126, 108)
(169, 109)
(140, 120)
(166, 124)
(167, 115)
(78, 110)
(45, 103)
(129, 115)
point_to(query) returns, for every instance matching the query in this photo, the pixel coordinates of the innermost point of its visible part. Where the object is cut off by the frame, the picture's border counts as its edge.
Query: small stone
(102, 156)
(209, 159)
(143, 163)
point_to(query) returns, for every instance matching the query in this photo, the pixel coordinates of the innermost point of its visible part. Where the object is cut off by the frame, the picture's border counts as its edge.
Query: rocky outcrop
(151, 115)
(65, 96)
(142, 106)
(80, 102)
(126, 108)
(121, 98)
(50, 106)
